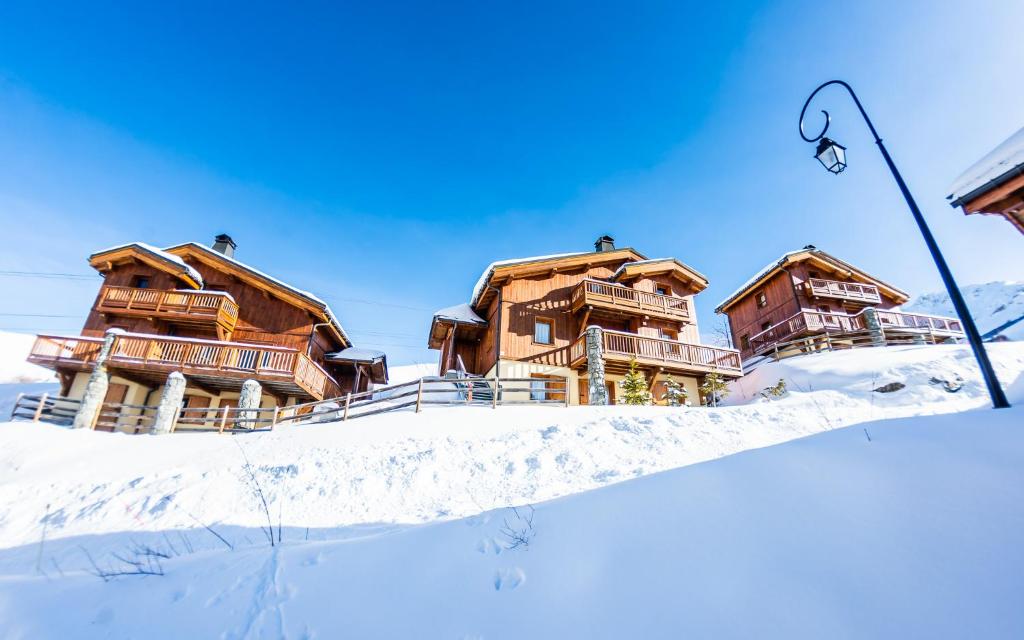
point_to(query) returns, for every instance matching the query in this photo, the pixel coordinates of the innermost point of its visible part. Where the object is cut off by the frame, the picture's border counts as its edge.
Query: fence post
(348, 399)
(223, 419)
(248, 405)
(17, 403)
(39, 410)
(419, 395)
(494, 396)
(273, 418)
(565, 384)
(469, 394)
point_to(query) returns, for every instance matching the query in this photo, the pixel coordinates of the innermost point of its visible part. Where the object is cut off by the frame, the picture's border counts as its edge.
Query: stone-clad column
(96, 388)
(252, 394)
(170, 404)
(598, 393)
(874, 327)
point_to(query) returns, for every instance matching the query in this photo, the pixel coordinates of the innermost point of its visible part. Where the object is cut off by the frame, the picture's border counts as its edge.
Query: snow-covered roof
(1007, 158)
(478, 289)
(354, 354)
(160, 254)
(284, 285)
(459, 313)
(622, 269)
(760, 274)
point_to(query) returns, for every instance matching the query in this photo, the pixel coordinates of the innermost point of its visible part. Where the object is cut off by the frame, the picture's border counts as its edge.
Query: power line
(39, 315)
(50, 274)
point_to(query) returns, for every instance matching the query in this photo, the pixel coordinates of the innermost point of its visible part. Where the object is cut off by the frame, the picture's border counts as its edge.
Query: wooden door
(195, 402)
(584, 384)
(610, 387)
(110, 412)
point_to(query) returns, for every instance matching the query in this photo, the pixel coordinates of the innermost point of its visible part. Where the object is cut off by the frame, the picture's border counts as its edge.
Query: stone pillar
(874, 327)
(170, 404)
(598, 393)
(96, 388)
(252, 394)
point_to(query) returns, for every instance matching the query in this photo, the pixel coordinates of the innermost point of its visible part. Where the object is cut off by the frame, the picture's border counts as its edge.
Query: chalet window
(663, 290)
(762, 299)
(766, 326)
(140, 282)
(543, 331)
(813, 274)
(668, 334)
(745, 342)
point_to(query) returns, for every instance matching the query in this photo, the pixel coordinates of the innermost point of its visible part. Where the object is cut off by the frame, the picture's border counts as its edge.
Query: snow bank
(906, 528)
(14, 348)
(993, 306)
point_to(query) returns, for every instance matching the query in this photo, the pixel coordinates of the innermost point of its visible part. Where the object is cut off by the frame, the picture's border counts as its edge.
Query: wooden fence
(44, 407)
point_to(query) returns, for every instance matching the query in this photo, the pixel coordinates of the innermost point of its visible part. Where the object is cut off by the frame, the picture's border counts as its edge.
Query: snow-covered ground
(392, 524)
(992, 305)
(14, 348)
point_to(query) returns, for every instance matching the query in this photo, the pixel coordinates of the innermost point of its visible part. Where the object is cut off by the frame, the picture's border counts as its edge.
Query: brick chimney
(224, 244)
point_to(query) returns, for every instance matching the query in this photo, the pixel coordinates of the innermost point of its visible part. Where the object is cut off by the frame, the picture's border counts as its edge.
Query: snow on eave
(1004, 162)
(627, 265)
(279, 283)
(355, 354)
(160, 254)
(459, 313)
(485, 277)
(771, 267)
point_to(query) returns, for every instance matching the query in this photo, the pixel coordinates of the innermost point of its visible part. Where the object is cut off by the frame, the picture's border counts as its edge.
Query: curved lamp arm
(828, 119)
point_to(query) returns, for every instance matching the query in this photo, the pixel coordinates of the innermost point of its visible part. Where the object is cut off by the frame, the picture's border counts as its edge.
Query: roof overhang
(824, 261)
(376, 362)
(264, 283)
(664, 267)
(107, 259)
(441, 328)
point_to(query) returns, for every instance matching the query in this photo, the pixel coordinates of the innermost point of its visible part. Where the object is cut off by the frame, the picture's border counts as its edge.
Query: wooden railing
(187, 306)
(867, 293)
(45, 407)
(604, 294)
(192, 356)
(623, 346)
(919, 321)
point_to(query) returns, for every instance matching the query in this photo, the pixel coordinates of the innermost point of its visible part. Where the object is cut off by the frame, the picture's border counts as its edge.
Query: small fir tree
(675, 394)
(634, 386)
(714, 388)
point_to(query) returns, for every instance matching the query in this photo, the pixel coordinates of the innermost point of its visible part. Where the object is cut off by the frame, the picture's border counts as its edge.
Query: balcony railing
(615, 296)
(622, 346)
(191, 357)
(187, 307)
(820, 322)
(848, 291)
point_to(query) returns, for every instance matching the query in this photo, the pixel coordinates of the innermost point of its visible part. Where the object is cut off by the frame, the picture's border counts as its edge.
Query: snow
(409, 372)
(760, 274)
(1008, 156)
(163, 255)
(14, 349)
(478, 288)
(899, 528)
(356, 355)
(993, 305)
(460, 313)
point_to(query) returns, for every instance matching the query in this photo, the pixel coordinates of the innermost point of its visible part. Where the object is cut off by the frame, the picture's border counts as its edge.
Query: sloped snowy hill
(992, 306)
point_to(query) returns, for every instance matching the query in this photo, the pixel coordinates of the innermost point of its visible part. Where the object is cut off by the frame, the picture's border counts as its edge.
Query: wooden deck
(615, 297)
(620, 347)
(207, 363)
(198, 308)
(815, 322)
(845, 291)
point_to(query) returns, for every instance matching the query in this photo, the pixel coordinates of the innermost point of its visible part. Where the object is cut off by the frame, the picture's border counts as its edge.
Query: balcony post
(96, 388)
(248, 405)
(598, 393)
(170, 404)
(874, 327)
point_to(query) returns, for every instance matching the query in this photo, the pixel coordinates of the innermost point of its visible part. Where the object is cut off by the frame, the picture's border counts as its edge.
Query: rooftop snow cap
(605, 243)
(224, 244)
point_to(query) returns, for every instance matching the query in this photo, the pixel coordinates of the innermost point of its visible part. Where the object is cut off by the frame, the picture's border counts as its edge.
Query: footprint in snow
(508, 579)
(489, 547)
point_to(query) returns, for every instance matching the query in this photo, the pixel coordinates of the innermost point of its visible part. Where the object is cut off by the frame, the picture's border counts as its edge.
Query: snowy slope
(992, 305)
(14, 348)
(904, 528)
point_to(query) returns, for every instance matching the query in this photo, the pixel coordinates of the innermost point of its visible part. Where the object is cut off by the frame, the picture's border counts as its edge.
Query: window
(762, 299)
(766, 326)
(745, 342)
(669, 334)
(544, 387)
(140, 282)
(543, 331)
(663, 290)
(813, 274)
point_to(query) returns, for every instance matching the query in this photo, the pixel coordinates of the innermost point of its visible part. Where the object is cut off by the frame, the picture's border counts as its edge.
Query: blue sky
(381, 155)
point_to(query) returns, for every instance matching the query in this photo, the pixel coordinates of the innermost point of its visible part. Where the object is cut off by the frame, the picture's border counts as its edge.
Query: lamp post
(832, 156)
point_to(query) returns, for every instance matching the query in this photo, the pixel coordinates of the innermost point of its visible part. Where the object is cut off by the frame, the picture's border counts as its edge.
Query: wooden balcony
(620, 347)
(814, 322)
(196, 308)
(845, 291)
(208, 364)
(615, 297)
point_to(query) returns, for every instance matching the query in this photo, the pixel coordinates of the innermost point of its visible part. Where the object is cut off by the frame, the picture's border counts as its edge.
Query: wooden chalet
(810, 292)
(995, 184)
(527, 318)
(198, 310)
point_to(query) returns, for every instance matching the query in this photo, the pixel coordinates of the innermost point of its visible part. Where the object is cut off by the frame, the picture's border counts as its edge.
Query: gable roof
(1000, 165)
(285, 291)
(520, 266)
(810, 252)
(156, 258)
(658, 266)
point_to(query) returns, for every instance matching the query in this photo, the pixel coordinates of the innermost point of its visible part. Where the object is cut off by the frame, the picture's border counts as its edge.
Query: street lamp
(833, 157)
